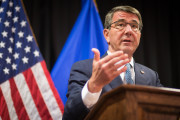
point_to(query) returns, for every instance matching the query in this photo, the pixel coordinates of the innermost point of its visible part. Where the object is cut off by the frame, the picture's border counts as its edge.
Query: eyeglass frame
(126, 23)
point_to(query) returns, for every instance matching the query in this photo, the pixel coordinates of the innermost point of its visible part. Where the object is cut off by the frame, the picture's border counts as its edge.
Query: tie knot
(128, 65)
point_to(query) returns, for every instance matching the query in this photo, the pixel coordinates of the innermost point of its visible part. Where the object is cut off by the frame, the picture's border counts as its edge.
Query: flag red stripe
(57, 97)
(18, 104)
(4, 113)
(36, 95)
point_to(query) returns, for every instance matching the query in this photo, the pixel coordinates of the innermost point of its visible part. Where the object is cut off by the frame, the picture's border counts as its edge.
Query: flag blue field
(86, 34)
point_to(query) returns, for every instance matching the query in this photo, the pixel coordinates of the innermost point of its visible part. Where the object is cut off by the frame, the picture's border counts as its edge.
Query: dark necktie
(128, 75)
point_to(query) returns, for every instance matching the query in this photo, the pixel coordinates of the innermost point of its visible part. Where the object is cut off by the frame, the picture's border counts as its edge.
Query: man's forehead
(125, 15)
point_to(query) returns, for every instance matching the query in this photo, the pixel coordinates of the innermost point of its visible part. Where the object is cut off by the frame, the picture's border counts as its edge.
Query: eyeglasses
(120, 25)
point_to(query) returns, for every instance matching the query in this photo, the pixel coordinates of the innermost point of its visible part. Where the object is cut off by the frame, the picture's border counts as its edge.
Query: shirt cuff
(88, 98)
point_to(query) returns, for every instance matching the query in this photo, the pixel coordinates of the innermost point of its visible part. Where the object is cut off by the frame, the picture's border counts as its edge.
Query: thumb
(96, 54)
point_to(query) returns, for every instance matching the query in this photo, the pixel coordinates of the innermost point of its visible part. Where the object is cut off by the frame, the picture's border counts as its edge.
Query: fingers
(120, 67)
(114, 61)
(118, 61)
(96, 54)
(111, 56)
(123, 60)
(106, 69)
(117, 65)
(119, 71)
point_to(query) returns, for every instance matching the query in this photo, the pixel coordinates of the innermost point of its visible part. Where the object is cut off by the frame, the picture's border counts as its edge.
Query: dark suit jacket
(80, 74)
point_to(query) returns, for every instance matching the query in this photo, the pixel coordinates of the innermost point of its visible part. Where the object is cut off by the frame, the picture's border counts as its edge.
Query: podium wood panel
(133, 102)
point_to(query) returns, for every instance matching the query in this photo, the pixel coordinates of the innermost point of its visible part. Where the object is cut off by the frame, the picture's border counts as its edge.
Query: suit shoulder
(82, 63)
(83, 66)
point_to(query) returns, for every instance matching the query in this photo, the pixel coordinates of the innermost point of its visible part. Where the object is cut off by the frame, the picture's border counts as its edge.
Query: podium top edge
(152, 89)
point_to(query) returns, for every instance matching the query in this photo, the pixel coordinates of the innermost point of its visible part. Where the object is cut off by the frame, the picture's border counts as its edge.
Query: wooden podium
(133, 102)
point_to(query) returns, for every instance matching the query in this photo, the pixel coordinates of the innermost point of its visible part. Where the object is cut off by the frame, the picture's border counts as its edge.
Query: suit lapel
(140, 78)
(116, 82)
(139, 75)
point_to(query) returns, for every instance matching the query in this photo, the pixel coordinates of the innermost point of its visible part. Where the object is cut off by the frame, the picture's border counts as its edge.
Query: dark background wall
(52, 21)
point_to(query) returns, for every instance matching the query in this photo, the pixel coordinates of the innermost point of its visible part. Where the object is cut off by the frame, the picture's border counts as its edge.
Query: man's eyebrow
(135, 21)
(120, 20)
(123, 20)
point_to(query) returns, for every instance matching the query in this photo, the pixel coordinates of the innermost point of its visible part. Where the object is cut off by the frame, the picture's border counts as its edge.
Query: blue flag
(86, 34)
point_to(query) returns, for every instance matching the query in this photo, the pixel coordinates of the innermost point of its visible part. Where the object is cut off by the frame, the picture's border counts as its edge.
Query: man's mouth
(126, 41)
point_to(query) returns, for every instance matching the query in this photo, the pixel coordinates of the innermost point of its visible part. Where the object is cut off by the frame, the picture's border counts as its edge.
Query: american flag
(26, 87)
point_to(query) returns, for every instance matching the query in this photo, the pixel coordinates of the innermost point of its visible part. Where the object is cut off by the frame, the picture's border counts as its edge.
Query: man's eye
(121, 24)
(134, 26)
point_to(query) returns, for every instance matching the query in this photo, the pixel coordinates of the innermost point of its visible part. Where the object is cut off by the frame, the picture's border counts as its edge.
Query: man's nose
(128, 27)
(128, 30)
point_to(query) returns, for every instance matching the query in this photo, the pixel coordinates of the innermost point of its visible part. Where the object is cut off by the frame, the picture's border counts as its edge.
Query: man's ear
(106, 35)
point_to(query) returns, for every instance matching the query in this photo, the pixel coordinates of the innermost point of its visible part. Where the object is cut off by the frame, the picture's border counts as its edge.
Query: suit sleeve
(158, 84)
(75, 108)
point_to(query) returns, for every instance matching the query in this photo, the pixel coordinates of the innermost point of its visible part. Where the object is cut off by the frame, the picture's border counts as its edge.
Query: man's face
(123, 36)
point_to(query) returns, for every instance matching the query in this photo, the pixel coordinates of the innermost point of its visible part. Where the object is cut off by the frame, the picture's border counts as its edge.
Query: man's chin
(127, 50)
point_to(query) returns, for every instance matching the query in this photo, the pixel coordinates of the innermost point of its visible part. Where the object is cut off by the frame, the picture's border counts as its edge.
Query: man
(89, 79)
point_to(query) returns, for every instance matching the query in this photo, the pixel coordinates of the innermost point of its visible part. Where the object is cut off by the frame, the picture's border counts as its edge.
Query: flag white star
(8, 60)
(6, 70)
(15, 19)
(27, 49)
(23, 23)
(25, 60)
(11, 39)
(14, 66)
(29, 38)
(6, 23)
(4, 34)
(10, 50)
(18, 44)
(1, 9)
(36, 53)
(13, 29)
(2, 44)
(9, 13)
(1, 55)
(10, 4)
(16, 55)
(21, 34)
(17, 8)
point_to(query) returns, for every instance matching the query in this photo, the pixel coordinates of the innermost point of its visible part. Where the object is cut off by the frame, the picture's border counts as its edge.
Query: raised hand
(106, 69)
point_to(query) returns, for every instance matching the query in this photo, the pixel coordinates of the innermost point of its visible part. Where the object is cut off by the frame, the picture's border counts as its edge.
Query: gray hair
(128, 9)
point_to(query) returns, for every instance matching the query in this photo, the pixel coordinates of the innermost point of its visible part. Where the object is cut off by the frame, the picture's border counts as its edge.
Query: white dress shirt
(89, 99)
